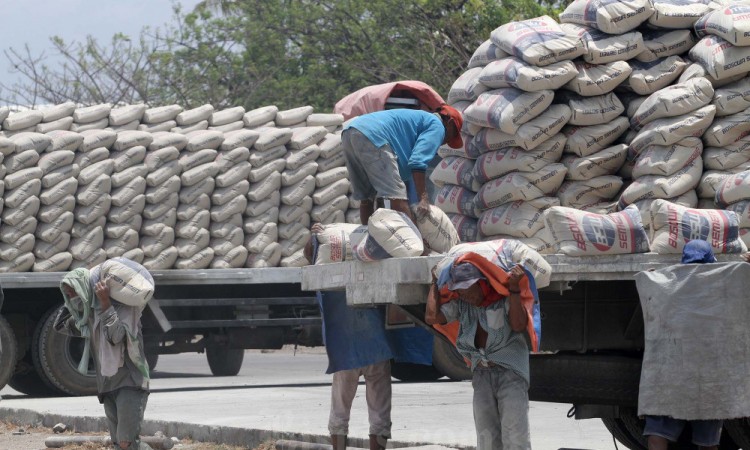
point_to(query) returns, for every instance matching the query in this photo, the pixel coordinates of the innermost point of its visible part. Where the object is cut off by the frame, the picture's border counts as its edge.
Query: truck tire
(621, 433)
(447, 360)
(27, 381)
(152, 359)
(8, 352)
(411, 372)
(739, 431)
(224, 361)
(56, 358)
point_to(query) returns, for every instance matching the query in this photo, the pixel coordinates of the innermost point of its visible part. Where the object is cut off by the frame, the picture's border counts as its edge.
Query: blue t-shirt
(412, 134)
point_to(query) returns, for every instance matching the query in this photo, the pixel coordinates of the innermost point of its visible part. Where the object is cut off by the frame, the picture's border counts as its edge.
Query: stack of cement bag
(167, 187)
(651, 89)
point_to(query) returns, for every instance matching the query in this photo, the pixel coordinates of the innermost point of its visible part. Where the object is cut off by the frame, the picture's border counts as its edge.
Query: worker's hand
(746, 257)
(102, 293)
(433, 272)
(317, 228)
(516, 275)
(423, 208)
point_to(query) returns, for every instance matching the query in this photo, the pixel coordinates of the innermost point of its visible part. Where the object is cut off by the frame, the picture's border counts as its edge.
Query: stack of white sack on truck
(622, 128)
(169, 187)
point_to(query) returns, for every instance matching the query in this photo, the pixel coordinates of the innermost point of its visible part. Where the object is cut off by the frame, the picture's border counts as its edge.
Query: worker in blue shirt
(386, 150)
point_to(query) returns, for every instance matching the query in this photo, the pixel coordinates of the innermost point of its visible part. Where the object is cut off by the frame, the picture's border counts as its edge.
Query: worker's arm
(434, 314)
(115, 330)
(420, 185)
(517, 314)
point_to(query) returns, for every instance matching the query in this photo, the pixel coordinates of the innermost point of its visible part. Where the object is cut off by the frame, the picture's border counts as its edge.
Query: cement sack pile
(733, 194)
(128, 206)
(655, 89)
(167, 187)
(509, 170)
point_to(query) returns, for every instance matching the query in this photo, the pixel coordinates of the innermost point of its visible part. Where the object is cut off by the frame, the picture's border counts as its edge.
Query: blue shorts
(706, 433)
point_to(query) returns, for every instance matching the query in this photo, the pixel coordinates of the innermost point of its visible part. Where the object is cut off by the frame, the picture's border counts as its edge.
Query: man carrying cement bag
(695, 321)
(493, 309)
(386, 150)
(113, 331)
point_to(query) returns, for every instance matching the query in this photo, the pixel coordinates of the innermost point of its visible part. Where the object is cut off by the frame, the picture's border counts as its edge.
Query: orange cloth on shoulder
(497, 279)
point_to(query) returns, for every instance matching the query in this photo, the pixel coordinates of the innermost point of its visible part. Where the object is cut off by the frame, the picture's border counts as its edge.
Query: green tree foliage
(282, 52)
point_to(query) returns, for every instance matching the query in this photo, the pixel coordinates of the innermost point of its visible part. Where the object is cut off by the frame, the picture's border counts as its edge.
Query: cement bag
(674, 185)
(296, 158)
(733, 189)
(538, 41)
(56, 112)
(664, 43)
(63, 124)
(226, 116)
(200, 260)
(456, 200)
(604, 48)
(677, 13)
(593, 110)
(269, 257)
(261, 158)
(22, 120)
(490, 139)
(467, 86)
(671, 130)
(259, 116)
(332, 191)
(673, 101)
(609, 16)
(389, 234)
(541, 129)
(578, 233)
(455, 170)
(673, 226)
(729, 23)
(293, 116)
(132, 138)
(64, 140)
(667, 160)
(507, 253)
(513, 159)
(330, 145)
(508, 108)
(296, 212)
(161, 113)
(729, 157)
(710, 182)
(292, 195)
(520, 186)
(513, 72)
(719, 58)
(519, 219)
(585, 141)
(466, 227)
(190, 160)
(649, 77)
(688, 200)
(695, 70)
(598, 79)
(333, 243)
(194, 115)
(31, 141)
(585, 194)
(485, 54)
(728, 129)
(732, 98)
(86, 159)
(437, 230)
(604, 162)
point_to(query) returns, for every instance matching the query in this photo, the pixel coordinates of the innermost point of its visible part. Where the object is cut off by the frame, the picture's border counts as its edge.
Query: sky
(33, 22)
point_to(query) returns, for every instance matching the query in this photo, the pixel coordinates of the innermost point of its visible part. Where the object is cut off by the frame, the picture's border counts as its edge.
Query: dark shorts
(373, 171)
(706, 433)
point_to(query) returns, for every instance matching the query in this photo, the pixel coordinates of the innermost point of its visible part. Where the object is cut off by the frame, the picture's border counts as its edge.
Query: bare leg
(378, 442)
(338, 441)
(657, 443)
(366, 208)
(402, 206)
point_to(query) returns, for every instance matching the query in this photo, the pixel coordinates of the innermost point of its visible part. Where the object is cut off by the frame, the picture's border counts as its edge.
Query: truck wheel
(621, 433)
(152, 359)
(56, 358)
(739, 431)
(27, 380)
(8, 352)
(223, 361)
(448, 361)
(414, 372)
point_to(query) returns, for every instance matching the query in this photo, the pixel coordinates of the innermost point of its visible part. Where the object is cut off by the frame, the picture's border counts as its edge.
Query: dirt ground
(13, 437)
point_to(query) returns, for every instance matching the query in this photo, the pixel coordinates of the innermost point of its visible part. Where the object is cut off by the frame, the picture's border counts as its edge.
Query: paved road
(281, 391)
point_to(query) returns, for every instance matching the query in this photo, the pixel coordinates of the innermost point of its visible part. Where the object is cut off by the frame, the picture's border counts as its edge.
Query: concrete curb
(204, 433)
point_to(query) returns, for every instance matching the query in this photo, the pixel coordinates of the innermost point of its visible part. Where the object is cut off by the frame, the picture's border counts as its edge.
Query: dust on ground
(14, 437)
